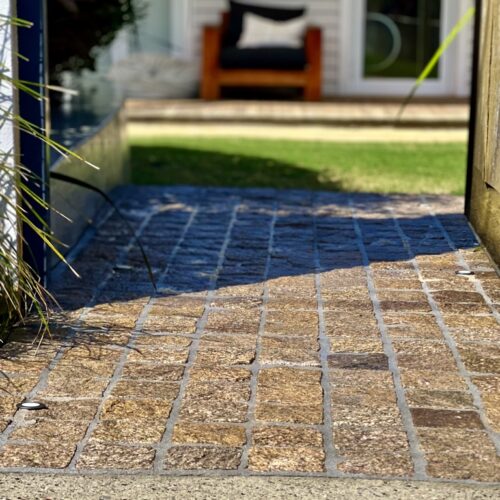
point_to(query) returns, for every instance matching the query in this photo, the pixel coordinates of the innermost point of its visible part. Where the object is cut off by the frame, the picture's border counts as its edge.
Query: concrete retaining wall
(106, 148)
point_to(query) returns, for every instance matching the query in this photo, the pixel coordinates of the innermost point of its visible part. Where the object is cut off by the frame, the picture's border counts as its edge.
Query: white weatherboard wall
(339, 28)
(154, 30)
(465, 47)
(8, 224)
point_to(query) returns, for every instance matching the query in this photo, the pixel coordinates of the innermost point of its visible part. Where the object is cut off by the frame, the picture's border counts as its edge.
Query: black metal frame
(34, 153)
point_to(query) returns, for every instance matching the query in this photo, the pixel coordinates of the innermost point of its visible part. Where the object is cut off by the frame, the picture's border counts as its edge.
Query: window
(400, 37)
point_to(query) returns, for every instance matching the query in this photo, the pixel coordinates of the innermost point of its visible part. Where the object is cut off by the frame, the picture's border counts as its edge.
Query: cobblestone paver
(291, 333)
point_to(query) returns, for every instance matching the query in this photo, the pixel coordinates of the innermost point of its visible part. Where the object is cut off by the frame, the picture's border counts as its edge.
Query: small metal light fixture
(122, 267)
(31, 406)
(464, 272)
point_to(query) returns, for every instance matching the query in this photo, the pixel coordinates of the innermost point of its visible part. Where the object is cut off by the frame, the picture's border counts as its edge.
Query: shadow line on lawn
(170, 165)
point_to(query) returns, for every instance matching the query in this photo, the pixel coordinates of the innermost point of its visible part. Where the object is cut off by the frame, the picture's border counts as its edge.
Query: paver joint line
(419, 461)
(495, 436)
(131, 345)
(166, 441)
(332, 459)
(46, 371)
(256, 365)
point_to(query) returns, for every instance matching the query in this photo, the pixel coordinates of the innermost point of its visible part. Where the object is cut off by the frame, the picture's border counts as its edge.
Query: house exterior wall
(335, 18)
(465, 46)
(8, 221)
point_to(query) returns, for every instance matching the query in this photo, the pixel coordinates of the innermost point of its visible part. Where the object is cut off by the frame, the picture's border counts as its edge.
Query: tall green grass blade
(21, 57)
(15, 21)
(42, 203)
(25, 126)
(49, 243)
(55, 88)
(450, 38)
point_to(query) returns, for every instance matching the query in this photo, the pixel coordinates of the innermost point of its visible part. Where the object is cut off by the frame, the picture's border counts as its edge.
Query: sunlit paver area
(291, 333)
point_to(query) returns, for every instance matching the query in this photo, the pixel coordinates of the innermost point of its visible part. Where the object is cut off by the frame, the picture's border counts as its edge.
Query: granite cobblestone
(291, 333)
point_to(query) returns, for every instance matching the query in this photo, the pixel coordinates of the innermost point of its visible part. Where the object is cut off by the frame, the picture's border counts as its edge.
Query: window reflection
(400, 37)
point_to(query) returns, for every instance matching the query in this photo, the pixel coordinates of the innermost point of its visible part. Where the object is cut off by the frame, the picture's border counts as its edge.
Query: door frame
(454, 68)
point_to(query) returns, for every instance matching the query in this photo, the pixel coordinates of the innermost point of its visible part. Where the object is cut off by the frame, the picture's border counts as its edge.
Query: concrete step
(342, 113)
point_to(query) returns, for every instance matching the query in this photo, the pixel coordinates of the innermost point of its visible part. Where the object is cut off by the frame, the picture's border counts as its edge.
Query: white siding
(8, 221)
(323, 13)
(154, 30)
(464, 53)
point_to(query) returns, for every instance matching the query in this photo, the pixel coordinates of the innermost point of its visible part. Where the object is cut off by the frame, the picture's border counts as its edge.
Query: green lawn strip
(368, 167)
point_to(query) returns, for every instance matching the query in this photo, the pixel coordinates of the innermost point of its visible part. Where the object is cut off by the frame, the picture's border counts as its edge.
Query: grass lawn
(367, 167)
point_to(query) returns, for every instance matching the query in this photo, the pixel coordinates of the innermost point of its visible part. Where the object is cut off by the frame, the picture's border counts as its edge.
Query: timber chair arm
(313, 46)
(212, 42)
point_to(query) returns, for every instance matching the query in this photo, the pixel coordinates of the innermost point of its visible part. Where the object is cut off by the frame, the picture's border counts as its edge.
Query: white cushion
(262, 32)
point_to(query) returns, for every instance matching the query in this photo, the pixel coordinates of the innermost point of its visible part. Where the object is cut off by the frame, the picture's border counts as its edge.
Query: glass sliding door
(386, 44)
(400, 37)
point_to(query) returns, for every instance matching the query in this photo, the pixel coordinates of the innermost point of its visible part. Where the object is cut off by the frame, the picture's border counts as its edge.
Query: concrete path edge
(24, 486)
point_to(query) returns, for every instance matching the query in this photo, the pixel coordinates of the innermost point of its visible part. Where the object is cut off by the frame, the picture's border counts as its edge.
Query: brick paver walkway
(292, 333)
